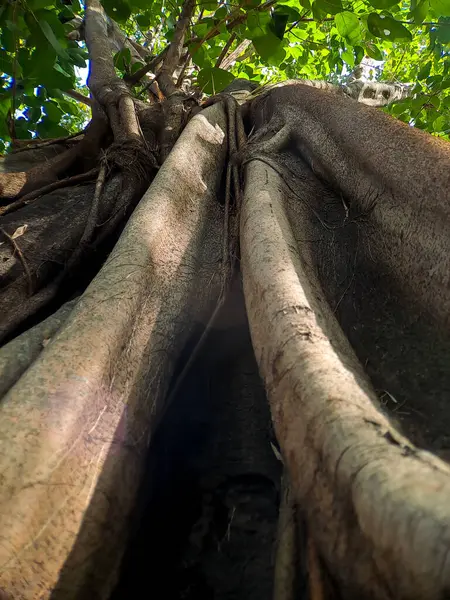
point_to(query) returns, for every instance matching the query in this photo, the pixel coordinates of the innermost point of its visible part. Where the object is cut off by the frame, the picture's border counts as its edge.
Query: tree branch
(235, 21)
(151, 66)
(175, 50)
(225, 49)
(233, 56)
(79, 97)
(109, 90)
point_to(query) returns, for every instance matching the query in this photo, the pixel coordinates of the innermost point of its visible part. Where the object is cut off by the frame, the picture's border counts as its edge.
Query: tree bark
(77, 423)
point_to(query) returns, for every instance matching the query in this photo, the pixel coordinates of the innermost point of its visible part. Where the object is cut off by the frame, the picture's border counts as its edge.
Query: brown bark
(362, 485)
(92, 396)
(345, 258)
(109, 91)
(175, 50)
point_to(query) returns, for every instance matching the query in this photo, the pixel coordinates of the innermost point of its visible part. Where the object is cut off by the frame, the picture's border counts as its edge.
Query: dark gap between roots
(206, 516)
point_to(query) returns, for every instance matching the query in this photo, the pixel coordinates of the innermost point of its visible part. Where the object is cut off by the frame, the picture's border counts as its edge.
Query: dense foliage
(407, 41)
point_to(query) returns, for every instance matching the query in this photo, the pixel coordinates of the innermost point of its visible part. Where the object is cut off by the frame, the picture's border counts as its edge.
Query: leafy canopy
(386, 40)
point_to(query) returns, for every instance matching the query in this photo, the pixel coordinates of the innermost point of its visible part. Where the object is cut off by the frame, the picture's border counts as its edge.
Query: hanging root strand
(18, 251)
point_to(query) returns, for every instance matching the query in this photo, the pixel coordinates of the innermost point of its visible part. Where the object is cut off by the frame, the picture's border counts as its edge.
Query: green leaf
(201, 58)
(39, 4)
(373, 51)
(440, 124)
(143, 21)
(383, 4)
(139, 4)
(68, 107)
(433, 101)
(39, 62)
(53, 111)
(119, 10)
(21, 128)
(213, 80)
(347, 24)
(443, 31)
(292, 13)
(54, 42)
(277, 58)
(33, 114)
(46, 128)
(6, 63)
(249, 4)
(207, 4)
(278, 24)
(329, 7)
(419, 12)
(267, 45)
(57, 78)
(441, 8)
(78, 57)
(122, 59)
(9, 39)
(435, 81)
(349, 58)
(387, 28)
(424, 71)
(359, 54)
(221, 13)
(257, 24)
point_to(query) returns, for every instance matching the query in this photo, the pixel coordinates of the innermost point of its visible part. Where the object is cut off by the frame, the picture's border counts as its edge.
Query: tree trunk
(345, 259)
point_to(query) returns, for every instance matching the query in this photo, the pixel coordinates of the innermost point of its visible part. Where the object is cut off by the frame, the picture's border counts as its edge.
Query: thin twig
(28, 145)
(233, 23)
(79, 97)
(19, 252)
(225, 50)
(286, 546)
(235, 55)
(150, 66)
(183, 70)
(93, 213)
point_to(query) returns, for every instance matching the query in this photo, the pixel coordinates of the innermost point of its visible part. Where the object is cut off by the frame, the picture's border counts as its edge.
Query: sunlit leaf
(441, 7)
(420, 11)
(441, 123)
(213, 80)
(267, 45)
(349, 57)
(383, 4)
(373, 51)
(329, 7)
(347, 24)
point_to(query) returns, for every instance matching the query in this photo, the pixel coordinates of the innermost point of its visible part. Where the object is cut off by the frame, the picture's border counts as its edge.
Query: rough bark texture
(345, 261)
(75, 427)
(333, 208)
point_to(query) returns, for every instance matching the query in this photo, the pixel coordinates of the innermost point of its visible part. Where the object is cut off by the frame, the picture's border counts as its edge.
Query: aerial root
(46, 189)
(286, 546)
(18, 251)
